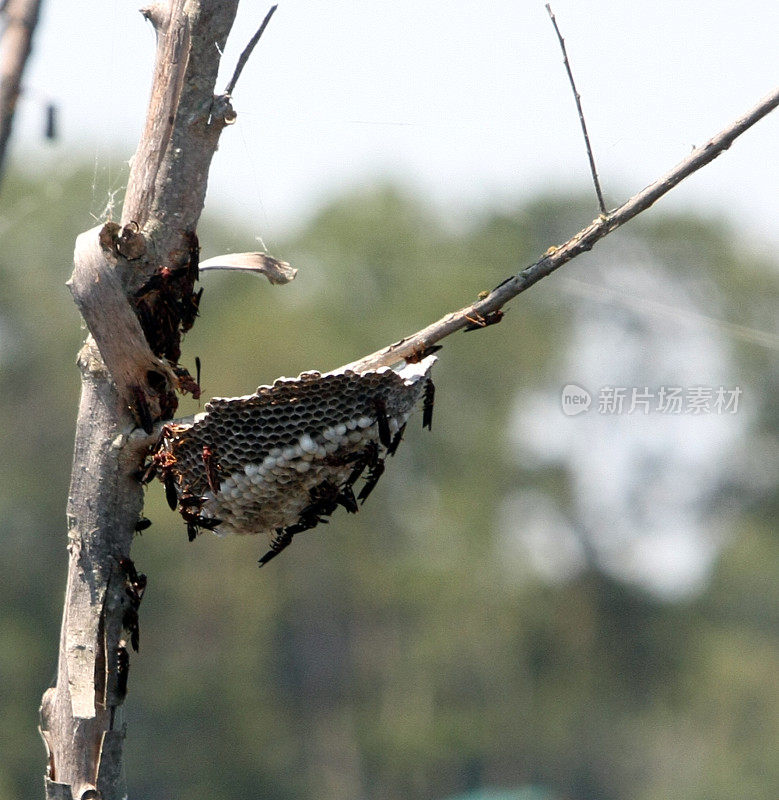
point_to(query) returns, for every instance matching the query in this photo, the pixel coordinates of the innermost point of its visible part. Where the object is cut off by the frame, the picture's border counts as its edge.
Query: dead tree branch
(20, 18)
(247, 51)
(487, 309)
(133, 285)
(577, 98)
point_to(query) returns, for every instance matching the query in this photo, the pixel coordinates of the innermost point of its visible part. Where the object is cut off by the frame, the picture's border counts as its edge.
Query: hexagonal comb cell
(282, 459)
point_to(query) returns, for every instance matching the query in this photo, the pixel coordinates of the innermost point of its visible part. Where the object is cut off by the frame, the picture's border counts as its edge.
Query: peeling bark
(124, 383)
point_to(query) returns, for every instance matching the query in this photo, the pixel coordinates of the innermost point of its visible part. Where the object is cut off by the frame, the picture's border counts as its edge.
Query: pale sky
(466, 101)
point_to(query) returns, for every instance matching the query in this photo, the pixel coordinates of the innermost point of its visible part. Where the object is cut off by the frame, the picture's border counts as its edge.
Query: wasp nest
(283, 459)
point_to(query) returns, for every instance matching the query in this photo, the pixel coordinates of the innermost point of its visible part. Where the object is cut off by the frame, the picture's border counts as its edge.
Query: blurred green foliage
(394, 654)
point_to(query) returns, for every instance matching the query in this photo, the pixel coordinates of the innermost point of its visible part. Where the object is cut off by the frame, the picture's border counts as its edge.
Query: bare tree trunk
(21, 17)
(126, 379)
(133, 284)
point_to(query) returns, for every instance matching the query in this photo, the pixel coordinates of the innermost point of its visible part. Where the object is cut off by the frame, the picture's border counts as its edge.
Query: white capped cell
(307, 444)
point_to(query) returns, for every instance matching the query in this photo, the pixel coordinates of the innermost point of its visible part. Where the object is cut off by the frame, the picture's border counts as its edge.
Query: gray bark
(164, 200)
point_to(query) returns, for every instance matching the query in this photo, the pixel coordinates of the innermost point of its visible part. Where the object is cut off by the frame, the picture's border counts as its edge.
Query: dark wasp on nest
(282, 460)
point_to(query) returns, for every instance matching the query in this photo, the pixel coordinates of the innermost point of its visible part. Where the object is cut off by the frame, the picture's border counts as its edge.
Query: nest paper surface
(290, 452)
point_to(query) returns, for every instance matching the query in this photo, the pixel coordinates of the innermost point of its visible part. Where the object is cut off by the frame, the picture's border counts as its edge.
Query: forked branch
(487, 309)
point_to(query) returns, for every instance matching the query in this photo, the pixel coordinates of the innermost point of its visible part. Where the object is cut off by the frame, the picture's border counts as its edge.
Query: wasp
(478, 321)
(327, 497)
(141, 410)
(130, 624)
(280, 540)
(324, 500)
(357, 471)
(197, 377)
(212, 468)
(363, 458)
(380, 407)
(347, 499)
(190, 507)
(162, 463)
(166, 304)
(135, 586)
(421, 351)
(283, 536)
(171, 492)
(375, 471)
(189, 500)
(396, 441)
(189, 308)
(209, 523)
(195, 522)
(142, 524)
(186, 383)
(160, 280)
(357, 458)
(136, 581)
(427, 406)
(121, 669)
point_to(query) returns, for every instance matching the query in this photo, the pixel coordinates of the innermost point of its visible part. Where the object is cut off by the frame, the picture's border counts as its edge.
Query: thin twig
(578, 99)
(555, 257)
(248, 51)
